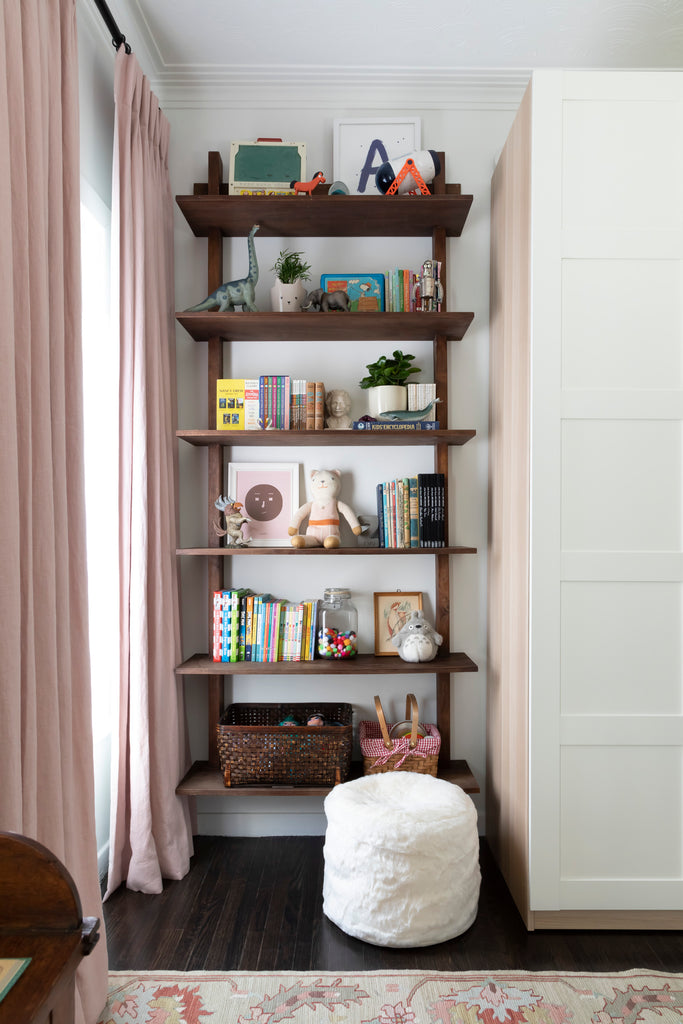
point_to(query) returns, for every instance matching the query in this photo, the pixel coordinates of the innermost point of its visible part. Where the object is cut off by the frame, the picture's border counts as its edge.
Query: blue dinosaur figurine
(234, 293)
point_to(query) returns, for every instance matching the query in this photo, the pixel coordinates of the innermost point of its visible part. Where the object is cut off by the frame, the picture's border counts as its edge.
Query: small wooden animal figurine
(306, 187)
(234, 293)
(323, 513)
(234, 521)
(417, 640)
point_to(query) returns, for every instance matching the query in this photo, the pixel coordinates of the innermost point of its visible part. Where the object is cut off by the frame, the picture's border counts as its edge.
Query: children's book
(237, 404)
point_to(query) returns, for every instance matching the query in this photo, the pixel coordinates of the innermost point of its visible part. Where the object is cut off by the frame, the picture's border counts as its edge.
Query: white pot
(287, 298)
(387, 398)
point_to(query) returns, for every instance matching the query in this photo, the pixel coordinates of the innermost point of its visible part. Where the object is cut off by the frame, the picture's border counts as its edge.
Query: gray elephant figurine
(321, 301)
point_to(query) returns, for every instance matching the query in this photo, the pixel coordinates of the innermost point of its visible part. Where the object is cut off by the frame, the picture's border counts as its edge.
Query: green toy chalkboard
(265, 166)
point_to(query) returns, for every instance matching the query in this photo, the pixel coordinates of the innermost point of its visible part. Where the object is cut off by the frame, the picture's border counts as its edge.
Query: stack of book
(419, 397)
(411, 512)
(400, 288)
(260, 627)
(307, 405)
(270, 402)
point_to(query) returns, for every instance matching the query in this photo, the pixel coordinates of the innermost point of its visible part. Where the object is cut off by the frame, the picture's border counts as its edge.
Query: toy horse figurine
(234, 293)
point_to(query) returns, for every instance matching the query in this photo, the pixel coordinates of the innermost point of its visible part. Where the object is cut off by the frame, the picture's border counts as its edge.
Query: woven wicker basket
(408, 754)
(255, 750)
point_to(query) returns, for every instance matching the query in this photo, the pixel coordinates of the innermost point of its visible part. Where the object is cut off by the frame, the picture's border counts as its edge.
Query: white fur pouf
(401, 859)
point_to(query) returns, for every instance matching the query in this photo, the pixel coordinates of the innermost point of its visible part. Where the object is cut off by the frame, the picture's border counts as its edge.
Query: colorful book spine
(414, 513)
(319, 412)
(405, 490)
(217, 624)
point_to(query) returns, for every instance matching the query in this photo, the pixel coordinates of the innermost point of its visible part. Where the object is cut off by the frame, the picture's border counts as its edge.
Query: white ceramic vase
(387, 398)
(287, 298)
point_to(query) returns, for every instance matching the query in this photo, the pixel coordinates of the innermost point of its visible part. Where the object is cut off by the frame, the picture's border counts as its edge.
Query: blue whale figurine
(405, 416)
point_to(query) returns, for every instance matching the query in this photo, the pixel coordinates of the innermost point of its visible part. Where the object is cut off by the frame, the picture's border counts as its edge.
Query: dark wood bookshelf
(229, 552)
(211, 213)
(362, 664)
(304, 438)
(325, 326)
(203, 780)
(325, 215)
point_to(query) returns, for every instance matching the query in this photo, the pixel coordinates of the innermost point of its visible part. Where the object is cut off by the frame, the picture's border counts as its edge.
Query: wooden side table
(40, 918)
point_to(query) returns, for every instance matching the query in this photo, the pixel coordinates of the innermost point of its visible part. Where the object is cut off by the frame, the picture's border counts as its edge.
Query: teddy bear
(417, 640)
(323, 513)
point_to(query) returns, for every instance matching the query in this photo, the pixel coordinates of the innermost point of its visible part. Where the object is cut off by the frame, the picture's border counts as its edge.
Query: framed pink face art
(269, 494)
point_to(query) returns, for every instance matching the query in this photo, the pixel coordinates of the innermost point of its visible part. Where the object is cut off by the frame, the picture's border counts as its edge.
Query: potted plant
(288, 293)
(386, 383)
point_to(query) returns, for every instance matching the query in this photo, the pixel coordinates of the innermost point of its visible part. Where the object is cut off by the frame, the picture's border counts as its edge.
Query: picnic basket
(410, 753)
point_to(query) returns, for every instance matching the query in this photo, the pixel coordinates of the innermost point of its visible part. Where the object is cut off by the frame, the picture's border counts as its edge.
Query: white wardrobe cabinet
(585, 724)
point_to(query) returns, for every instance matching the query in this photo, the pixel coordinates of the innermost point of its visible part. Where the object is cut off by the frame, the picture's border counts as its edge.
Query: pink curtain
(151, 835)
(46, 767)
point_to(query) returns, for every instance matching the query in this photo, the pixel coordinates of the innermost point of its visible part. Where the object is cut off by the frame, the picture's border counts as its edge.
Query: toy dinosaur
(234, 293)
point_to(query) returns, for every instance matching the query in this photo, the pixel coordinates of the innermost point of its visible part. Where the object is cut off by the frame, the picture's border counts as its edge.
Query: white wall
(471, 136)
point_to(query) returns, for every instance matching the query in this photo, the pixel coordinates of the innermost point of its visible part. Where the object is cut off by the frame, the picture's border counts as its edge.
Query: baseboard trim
(607, 920)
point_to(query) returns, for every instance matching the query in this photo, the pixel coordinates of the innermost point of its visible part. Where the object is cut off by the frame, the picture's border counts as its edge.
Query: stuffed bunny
(417, 640)
(323, 513)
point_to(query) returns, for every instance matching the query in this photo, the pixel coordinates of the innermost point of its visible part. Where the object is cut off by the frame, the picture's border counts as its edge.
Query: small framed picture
(363, 144)
(269, 493)
(392, 611)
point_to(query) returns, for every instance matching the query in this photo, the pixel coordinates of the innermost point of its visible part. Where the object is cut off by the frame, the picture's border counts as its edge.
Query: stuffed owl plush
(417, 640)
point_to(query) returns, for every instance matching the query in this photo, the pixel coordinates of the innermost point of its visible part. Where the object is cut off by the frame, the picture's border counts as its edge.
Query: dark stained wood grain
(306, 438)
(255, 904)
(325, 215)
(323, 327)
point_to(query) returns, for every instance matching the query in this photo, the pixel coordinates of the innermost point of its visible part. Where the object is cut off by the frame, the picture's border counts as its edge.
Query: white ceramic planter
(387, 398)
(287, 298)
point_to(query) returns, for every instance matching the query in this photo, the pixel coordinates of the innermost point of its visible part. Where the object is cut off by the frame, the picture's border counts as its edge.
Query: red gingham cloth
(372, 744)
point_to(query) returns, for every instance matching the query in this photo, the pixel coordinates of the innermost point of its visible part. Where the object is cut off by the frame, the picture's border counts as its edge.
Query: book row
(411, 512)
(270, 402)
(280, 402)
(260, 627)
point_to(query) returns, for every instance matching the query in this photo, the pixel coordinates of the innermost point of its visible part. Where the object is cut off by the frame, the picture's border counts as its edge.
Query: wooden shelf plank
(203, 780)
(306, 438)
(229, 552)
(321, 327)
(362, 664)
(325, 215)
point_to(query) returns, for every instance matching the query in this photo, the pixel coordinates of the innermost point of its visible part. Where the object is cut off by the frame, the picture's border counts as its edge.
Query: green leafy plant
(389, 370)
(289, 267)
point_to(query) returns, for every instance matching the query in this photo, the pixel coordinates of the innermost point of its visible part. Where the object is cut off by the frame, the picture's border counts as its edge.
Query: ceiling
(187, 39)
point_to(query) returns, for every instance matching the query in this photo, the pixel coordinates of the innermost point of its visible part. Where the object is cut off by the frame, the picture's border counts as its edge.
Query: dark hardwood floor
(256, 905)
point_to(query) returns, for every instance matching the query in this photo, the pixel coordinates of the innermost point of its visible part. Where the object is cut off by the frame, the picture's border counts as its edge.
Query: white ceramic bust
(338, 407)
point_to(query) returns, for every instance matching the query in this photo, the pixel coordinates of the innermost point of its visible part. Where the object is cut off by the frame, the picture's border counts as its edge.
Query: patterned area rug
(403, 997)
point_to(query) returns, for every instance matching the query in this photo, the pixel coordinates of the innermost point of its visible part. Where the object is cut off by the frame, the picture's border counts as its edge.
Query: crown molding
(281, 87)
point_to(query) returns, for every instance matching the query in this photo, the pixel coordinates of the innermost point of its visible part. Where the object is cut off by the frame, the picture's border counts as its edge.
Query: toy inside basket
(254, 749)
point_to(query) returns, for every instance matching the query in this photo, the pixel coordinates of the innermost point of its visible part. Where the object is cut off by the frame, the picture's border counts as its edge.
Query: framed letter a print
(363, 144)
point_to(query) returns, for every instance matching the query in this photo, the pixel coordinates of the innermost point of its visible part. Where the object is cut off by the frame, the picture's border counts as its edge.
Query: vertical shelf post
(215, 457)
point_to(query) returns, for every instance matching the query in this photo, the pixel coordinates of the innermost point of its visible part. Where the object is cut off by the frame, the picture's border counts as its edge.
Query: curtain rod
(117, 35)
